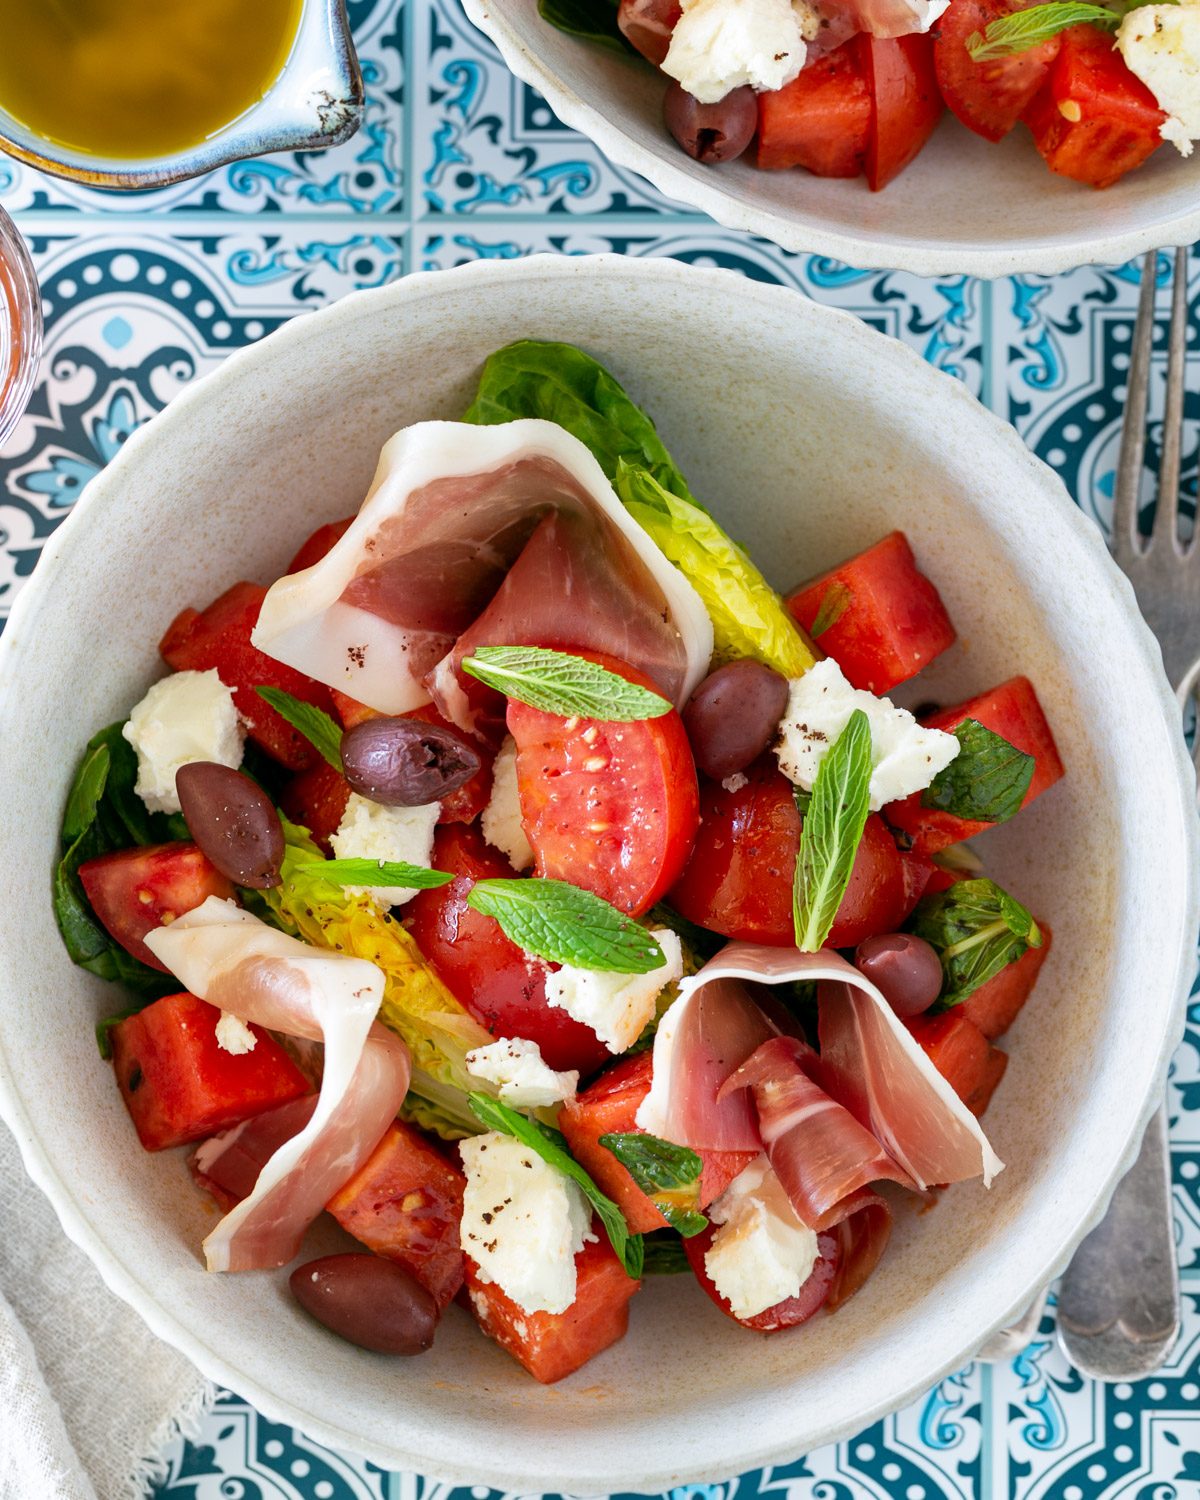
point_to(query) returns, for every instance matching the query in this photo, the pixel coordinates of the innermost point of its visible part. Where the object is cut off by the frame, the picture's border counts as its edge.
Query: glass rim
(20, 326)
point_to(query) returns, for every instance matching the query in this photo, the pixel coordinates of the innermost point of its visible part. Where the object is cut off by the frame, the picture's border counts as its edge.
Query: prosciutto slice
(450, 511)
(231, 959)
(871, 1064)
(227, 1165)
(817, 1149)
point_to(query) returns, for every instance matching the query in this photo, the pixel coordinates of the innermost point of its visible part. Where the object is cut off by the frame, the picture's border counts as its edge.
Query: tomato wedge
(609, 807)
(988, 97)
(789, 1313)
(136, 890)
(821, 120)
(317, 545)
(907, 104)
(739, 879)
(499, 984)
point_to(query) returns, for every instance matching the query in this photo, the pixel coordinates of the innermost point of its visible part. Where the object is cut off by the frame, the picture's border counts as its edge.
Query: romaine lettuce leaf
(562, 384)
(437, 1030)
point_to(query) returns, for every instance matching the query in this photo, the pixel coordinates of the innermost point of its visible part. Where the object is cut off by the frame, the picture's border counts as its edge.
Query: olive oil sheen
(135, 79)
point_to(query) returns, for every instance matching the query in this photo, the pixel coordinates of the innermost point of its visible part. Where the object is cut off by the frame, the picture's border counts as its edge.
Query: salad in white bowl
(522, 882)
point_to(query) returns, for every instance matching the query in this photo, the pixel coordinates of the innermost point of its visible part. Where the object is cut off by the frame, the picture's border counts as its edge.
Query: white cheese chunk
(186, 717)
(397, 835)
(501, 819)
(233, 1035)
(761, 1252)
(1161, 46)
(617, 1007)
(721, 45)
(905, 756)
(526, 1080)
(523, 1222)
(736, 782)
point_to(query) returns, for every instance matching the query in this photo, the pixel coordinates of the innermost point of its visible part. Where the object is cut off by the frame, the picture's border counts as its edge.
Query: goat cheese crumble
(523, 1222)
(617, 1007)
(233, 1035)
(761, 1253)
(1161, 46)
(501, 818)
(399, 835)
(186, 717)
(905, 756)
(526, 1080)
(720, 45)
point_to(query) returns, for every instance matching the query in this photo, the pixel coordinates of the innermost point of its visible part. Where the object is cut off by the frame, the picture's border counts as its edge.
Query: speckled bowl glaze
(317, 101)
(810, 436)
(964, 206)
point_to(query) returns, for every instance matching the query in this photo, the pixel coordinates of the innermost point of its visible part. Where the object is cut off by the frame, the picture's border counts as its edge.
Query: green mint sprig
(832, 830)
(376, 872)
(557, 921)
(977, 929)
(551, 1146)
(835, 601)
(313, 723)
(986, 781)
(558, 683)
(1009, 35)
(669, 1175)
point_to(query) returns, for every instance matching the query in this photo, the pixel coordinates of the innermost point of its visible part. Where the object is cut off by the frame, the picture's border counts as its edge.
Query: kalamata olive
(233, 822)
(711, 132)
(406, 762)
(367, 1301)
(732, 716)
(905, 968)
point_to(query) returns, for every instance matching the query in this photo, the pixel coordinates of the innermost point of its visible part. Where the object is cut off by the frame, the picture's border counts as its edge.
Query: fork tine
(1133, 431)
(1166, 518)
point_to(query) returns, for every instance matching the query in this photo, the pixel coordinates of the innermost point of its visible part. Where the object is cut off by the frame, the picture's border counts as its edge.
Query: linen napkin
(89, 1397)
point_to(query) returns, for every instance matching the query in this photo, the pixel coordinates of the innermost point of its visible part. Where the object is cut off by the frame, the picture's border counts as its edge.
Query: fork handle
(1118, 1304)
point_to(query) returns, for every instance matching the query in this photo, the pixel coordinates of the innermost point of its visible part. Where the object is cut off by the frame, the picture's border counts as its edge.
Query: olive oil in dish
(136, 79)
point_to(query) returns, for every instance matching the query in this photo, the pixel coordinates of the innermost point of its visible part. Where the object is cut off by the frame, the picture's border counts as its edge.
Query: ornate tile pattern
(458, 161)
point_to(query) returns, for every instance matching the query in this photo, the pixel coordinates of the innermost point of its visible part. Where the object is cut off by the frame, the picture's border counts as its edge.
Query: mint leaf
(557, 921)
(559, 683)
(986, 781)
(977, 929)
(834, 603)
(313, 723)
(833, 828)
(664, 1254)
(552, 1148)
(376, 872)
(1026, 28)
(669, 1175)
(593, 20)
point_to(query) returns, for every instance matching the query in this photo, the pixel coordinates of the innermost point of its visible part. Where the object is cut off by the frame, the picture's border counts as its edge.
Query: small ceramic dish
(810, 436)
(965, 206)
(315, 102)
(20, 326)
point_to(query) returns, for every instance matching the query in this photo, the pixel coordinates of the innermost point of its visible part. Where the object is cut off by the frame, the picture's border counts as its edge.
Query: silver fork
(1118, 1304)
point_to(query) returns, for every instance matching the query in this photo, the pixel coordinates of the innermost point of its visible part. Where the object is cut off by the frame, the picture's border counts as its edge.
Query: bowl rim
(525, 1473)
(802, 237)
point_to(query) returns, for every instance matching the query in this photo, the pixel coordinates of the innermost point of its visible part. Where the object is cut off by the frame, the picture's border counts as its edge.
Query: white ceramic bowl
(810, 436)
(964, 206)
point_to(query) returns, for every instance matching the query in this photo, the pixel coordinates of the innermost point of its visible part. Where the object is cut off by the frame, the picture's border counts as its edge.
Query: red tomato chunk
(996, 1005)
(906, 102)
(609, 807)
(1011, 710)
(317, 545)
(317, 799)
(789, 1313)
(136, 890)
(988, 97)
(1093, 120)
(405, 1203)
(883, 619)
(551, 1345)
(608, 1107)
(962, 1055)
(821, 120)
(180, 1086)
(219, 637)
(502, 987)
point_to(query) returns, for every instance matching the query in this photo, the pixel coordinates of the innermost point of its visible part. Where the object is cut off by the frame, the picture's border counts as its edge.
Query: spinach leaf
(669, 1175)
(551, 1146)
(977, 929)
(986, 781)
(594, 20)
(831, 833)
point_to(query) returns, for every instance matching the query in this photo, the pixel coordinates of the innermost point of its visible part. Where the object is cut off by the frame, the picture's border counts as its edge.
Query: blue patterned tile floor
(457, 161)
